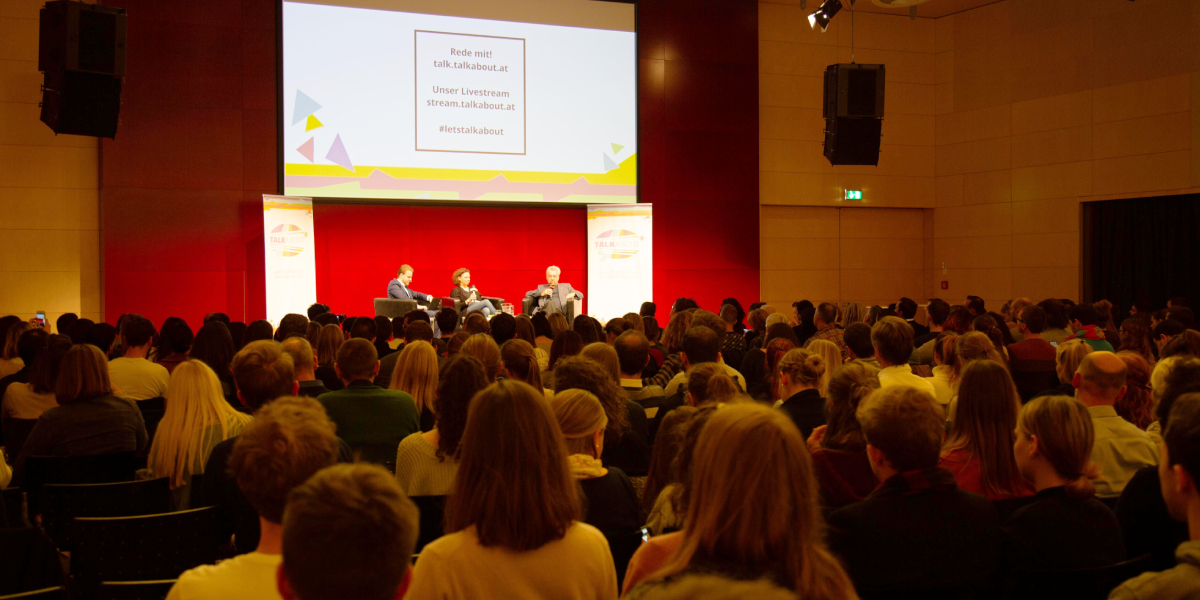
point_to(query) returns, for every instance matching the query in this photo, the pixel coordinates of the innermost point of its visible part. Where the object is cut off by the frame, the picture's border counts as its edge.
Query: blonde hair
(635, 321)
(606, 357)
(970, 347)
(698, 378)
(1065, 435)
(856, 312)
(483, 347)
(848, 387)
(833, 358)
(197, 403)
(804, 367)
(1068, 356)
(518, 357)
(774, 318)
(82, 375)
(904, 423)
(761, 512)
(416, 372)
(580, 415)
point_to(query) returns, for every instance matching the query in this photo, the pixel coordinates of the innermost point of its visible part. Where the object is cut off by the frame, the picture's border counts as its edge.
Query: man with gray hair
(1120, 448)
(552, 296)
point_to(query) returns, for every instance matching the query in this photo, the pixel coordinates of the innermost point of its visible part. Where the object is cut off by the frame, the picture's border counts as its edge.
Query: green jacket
(371, 419)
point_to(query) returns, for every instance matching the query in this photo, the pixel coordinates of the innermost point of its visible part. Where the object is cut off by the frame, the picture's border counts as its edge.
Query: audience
(174, 343)
(1137, 404)
(484, 348)
(633, 355)
(627, 433)
(1065, 527)
(748, 519)
(916, 534)
(1067, 357)
(513, 517)
(733, 346)
(665, 494)
(288, 441)
(520, 363)
(332, 339)
(10, 360)
(348, 532)
(604, 355)
(839, 451)
(672, 341)
(426, 462)
(35, 395)
(1085, 322)
(133, 376)
(979, 451)
(566, 343)
(214, 347)
(893, 342)
(859, 348)
(944, 380)
(800, 374)
(937, 310)
(829, 352)
(827, 329)
(1179, 472)
(302, 361)
(371, 419)
(416, 374)
(1135, 337)
(1121, 448)
(701, 344)
(196, 419)
(610, 501)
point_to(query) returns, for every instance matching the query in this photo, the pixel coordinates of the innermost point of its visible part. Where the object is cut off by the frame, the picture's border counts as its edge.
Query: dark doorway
(1141, 251)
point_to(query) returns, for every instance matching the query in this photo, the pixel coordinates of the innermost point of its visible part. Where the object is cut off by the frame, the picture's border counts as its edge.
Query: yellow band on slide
(625, 174)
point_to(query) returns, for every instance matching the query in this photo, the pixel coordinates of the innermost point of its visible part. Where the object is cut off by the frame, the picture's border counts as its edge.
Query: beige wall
(999, 121)
(49, 200)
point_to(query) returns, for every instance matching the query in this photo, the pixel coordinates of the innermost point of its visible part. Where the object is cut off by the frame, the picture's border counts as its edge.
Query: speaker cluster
(81, 53)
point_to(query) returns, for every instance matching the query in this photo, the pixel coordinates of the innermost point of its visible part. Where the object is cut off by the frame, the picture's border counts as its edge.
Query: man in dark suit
(398, 287)
(552, 296)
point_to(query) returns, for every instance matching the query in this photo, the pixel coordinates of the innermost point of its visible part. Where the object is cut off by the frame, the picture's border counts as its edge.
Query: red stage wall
(181, 185)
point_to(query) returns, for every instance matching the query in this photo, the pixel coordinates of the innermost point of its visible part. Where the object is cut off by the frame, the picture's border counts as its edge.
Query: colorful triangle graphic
(617, 148)
(609, 164)
(337, 154)
(306, 149)
(312, 123)
(303, 106)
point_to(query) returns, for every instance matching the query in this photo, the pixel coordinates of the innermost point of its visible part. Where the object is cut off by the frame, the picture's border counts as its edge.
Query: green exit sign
(854, 194)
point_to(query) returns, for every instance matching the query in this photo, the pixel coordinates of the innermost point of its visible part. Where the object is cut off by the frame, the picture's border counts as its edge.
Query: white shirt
(577, 567)
(682, 377)
(903, 375)
(249, 576)
(942, 389)
(21, 402)
(138, 378)
(1120, 450)
(8, 367)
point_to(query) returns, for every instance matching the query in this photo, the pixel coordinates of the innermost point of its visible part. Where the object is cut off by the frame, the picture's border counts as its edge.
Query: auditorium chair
(30, 564)
(15, 507)
(1079, 584)
(571, 309)
(61, 503)
(98, 468)
(431, 510)
(622, 545)
(1033, 376)
(393, 308)
(50, 593)
(16, 431)
(153, 410)
(135, 590)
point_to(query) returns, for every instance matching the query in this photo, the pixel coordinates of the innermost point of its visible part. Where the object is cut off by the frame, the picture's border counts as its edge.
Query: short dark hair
(1034, 318)
(1085, 313)
(893, 338)
(178, 336)
(633, 349)
(383, 328)
(62, 325)
(262, 372)
(356, 359)
(827, 312)
(1056, 314)
(541, 325)
(857, 338)
(1183, 314)
(504, 327)
(79, 332)
(701, 344)
(137, 331)
(938, 310)
(1169, 328)
(1177, 301)
(648, 309)
(617, 326)
(1182, 436)
(417, 315)
(217, 316)
(418, 331)
(101, 336)
(326, 319)
(291, 324)
(364, 327)
(447, 320)
(30, 344)
(317, 309)
(906, 308)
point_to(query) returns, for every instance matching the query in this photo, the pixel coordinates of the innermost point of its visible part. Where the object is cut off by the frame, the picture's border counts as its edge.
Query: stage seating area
(947, 450)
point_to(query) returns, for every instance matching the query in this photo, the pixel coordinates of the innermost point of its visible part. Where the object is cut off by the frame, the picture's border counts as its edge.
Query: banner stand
(291, 265)
(620, 258)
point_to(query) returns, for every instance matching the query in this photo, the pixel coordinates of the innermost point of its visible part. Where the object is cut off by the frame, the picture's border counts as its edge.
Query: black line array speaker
(853, 111)
(81, 51)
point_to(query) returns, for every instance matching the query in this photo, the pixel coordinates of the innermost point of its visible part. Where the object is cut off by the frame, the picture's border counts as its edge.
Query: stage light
(823, 15)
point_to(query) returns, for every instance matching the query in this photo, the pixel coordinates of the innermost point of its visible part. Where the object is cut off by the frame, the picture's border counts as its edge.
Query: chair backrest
(15, 506)
(152, 417)
(50, 593)
(159, 403)
(16, 431)
(623, 545)
(432, 509)
(30, 562)
(61, 503)
(97, 468)
(1081, 584)
(1033, 376)
(392, 307)
(136, 590)
(149, 547)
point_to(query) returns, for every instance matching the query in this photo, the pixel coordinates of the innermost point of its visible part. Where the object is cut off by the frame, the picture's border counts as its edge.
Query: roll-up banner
(291, 267)
(620, 258)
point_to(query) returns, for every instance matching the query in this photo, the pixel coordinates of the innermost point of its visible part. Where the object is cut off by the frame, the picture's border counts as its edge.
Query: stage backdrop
(181, 186)
(620, 258)
(291, 278)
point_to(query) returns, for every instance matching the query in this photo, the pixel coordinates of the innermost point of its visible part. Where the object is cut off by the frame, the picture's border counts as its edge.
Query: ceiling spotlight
(822, 15)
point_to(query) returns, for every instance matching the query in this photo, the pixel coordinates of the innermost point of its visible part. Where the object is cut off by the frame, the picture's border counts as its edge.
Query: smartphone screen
(41, 318)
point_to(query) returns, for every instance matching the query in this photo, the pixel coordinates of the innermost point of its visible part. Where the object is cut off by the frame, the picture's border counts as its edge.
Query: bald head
(1100, 378)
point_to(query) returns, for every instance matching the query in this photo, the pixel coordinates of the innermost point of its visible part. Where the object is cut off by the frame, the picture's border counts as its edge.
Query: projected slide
(385, 104)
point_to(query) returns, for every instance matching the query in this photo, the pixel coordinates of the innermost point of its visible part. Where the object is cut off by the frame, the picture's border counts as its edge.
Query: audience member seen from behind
(1137, 404)
(917, 533)
(748, 519)
(893, 341)
(800, 374)
(1085, 322)
(214, 347)
(979, 449)
(89, 418)
(133, 376)
(605, 356)
(1135, 337)
(196, 420)
(665, 494)
(1179, 472)
(303, 362)
(332, 339)
(520, 363)
(348, 532)
(371, 419)
(829, 352)
(514, 515)
(1065, 527)
(567, 343)
(1121, 448)
(288, 441)
(627, 434)
(859, 347)
(174, 342)
(416, 374)
(484, 348)
(426, 462)
(528, 334)
(610, 502)
(839, 451)
(29, 399)
(10, 361)
(945, 384)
